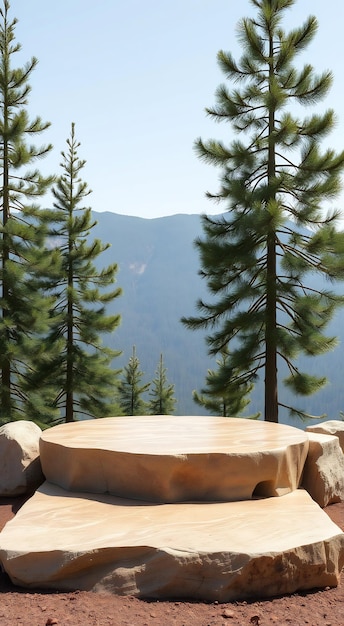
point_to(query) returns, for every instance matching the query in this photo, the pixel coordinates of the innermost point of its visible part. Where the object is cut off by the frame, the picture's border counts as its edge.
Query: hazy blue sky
(135, 76)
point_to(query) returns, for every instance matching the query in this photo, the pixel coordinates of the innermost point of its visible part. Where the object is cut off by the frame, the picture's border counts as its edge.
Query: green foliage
(24, 308)
(78, 366)
(162, 393)
(130, 391)
(223, 395)
(261, 258)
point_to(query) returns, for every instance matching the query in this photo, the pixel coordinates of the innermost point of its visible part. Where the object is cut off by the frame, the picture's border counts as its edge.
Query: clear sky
(135, 77)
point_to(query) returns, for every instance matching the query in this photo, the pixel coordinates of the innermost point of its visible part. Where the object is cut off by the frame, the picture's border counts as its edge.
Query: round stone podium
(173, 507)
(171, 459)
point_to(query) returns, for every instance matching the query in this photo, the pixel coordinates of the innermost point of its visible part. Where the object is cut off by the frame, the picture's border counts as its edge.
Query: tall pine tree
(162, 393)
(222, 395)
(23, 308)
(265, 258)
(80, 368)
(130, 389)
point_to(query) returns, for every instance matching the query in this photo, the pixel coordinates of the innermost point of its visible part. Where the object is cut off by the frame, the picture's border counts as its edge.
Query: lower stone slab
(207, 551)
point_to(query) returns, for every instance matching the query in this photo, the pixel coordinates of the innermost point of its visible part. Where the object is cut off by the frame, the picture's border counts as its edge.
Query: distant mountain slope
(158, 272)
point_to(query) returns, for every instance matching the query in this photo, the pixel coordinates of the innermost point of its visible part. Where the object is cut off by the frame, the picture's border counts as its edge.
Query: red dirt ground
(19, 607)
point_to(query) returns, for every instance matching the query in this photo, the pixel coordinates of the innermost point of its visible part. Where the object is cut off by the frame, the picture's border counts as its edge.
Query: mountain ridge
(158, 268)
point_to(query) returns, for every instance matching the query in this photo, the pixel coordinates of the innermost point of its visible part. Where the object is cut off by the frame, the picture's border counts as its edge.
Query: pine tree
(130, 391)
(222, 394)
(24, 309)
(162, 393)
(80, 370)
(265, 257)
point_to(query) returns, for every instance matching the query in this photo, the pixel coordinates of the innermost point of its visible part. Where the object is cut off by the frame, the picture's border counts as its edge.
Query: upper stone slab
(175, 458)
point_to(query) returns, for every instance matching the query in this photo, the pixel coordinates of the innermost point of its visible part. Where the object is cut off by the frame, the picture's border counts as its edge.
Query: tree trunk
(271, 389)
(6, 408)
(271, 393)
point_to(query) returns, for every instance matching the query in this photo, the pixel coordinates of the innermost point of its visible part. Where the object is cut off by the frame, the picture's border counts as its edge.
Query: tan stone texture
(209, 551)
(323, 475)
(20, 467)
(175, 458)
(331, 427)
(222, 535)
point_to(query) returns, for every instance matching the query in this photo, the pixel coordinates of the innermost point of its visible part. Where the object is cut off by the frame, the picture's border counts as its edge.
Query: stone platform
(175, 459)
(173, 507)
(207, 551)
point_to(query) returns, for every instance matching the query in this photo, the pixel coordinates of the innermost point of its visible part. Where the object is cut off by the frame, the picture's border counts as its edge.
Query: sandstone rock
(175, 458)
(209, 551)
(20, 467)
(331, 427)
(323, 475)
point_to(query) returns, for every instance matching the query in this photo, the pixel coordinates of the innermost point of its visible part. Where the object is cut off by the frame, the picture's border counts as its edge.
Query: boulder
(175, 458)
(213, 551)
(20, 466)
(323, 474)
(331, 427)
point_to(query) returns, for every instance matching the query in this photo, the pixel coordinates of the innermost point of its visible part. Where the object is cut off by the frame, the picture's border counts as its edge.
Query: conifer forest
(270, 263)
